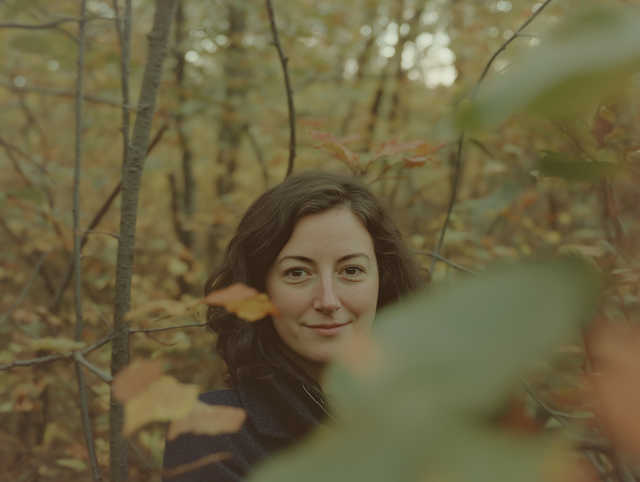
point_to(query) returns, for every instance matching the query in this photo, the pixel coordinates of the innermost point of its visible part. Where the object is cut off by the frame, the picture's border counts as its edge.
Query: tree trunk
(131, 179)
(232, 124)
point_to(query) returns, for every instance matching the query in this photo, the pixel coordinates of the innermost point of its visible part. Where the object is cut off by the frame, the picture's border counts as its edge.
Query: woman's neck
(314, 370)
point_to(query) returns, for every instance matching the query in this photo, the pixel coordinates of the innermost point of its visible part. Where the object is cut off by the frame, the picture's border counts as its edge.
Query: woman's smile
(327, 329)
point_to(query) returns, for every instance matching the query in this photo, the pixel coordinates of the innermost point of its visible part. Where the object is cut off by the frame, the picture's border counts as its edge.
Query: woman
(328, 254)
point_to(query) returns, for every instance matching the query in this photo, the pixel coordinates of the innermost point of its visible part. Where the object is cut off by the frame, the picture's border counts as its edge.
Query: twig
(259, 155)
(26, 288)
(56, 357)
(457, 174)
(152, 330)
(60, 93)
(105, 377)
(458, 164)
(287, 81)
(93, 231)
(10, 147)
(506, 43)
(77, 246)
(561, 417)
(445, 260)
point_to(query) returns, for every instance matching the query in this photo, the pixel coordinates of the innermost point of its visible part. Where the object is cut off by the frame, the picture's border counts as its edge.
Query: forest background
(374, 86)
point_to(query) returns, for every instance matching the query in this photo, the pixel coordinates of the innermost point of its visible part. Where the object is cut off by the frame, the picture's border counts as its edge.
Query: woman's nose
(327, 299)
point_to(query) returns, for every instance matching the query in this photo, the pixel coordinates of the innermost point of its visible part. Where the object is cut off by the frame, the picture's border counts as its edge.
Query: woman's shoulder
(227, 396)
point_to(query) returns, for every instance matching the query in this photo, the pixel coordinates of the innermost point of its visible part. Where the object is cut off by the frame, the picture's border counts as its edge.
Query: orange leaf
(209, 420)
(335, 147)
(163, 400)
(614, 351)
(244, 301)
(135, 378)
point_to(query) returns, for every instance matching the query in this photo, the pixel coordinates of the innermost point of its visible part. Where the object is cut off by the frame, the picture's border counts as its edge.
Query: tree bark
(131, 180)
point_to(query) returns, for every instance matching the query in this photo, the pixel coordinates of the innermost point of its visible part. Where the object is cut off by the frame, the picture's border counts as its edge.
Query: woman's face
(325, 284)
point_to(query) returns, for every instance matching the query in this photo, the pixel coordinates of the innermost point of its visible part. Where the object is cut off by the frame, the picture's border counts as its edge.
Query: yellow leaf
(135, 378)
(209, 420)
(163, 400)
(76, 464)
(244, 301)
(60, 345)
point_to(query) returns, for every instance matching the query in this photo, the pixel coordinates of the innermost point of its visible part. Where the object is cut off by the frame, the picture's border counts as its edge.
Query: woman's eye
(352, 270)
(295, 273)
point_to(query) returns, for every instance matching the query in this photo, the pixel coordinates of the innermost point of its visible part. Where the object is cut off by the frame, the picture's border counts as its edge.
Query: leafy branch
(284, 60)
(458, 160)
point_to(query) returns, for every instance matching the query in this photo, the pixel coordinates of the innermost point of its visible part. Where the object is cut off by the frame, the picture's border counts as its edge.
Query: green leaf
(449, 359)
(593, 54)
(555, 165)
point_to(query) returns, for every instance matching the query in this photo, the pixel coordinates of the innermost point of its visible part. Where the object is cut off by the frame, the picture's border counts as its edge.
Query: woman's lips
(327, 330)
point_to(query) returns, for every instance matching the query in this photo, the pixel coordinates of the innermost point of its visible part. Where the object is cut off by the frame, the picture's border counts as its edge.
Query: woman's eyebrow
(354, 255)
(304, 259)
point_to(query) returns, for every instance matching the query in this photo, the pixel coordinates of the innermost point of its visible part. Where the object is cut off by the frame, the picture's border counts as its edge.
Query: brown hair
(254, 350)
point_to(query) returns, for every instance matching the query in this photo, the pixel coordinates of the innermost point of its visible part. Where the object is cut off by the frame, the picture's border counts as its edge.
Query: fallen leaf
(135, 378)
(246, 302)
(209, 420)
(60, 345)
(163, 400)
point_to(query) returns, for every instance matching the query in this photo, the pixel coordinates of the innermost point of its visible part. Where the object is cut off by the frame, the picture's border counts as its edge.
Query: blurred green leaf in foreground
(593, 54)
(417, 403)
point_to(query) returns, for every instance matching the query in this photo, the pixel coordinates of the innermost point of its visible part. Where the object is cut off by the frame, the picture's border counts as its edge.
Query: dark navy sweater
(279, 413)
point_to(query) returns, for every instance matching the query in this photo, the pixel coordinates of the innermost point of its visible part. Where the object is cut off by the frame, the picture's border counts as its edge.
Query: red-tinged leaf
(392, 148)
(413, 162)
(614, 351)
(351, 138)
(324, 137)
(135, 378)
(163, 400)
(244, 301)
(209, 459)
(208, 420)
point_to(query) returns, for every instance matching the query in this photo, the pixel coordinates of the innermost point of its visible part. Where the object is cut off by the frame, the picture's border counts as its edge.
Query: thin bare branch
(25, 290)
(448, 261)
(167, 328)
(284, 60)
(56, 357)
(92, 231)
(77, 245)
(457, 163)
(105, 377)
(48, 25)
(60, 93)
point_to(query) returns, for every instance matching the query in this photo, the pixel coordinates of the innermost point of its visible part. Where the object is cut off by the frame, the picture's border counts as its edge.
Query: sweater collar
(278, 407)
